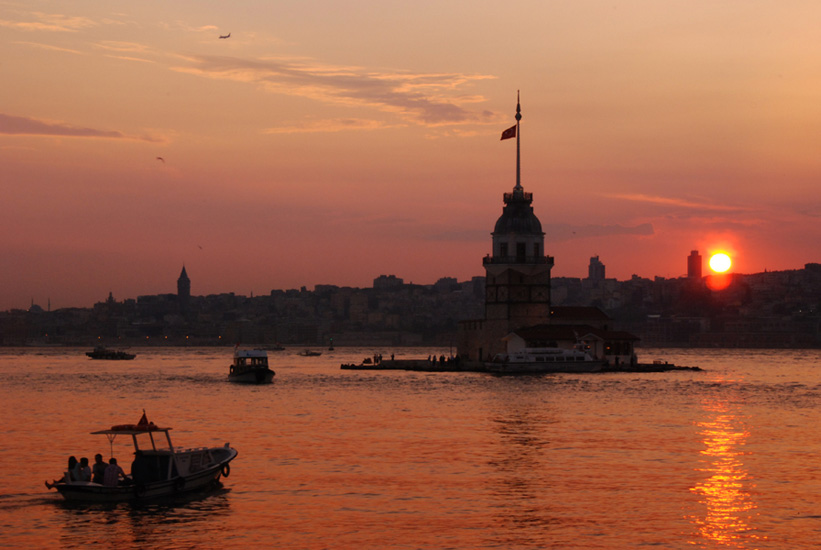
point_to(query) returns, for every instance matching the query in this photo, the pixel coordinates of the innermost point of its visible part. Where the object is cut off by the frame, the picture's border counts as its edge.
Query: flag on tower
(509, 133)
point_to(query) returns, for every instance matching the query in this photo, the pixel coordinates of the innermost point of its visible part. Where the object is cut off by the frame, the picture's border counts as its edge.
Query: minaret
(183, 290)
(518, 272)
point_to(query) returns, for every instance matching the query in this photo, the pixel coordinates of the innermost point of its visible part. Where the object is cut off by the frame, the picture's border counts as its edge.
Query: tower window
(503, 249)
(521, 251)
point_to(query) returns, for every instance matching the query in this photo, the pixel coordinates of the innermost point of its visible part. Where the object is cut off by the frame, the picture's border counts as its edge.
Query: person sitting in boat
(67, 477)
(82, 472)
(113, 473)
(98, 470)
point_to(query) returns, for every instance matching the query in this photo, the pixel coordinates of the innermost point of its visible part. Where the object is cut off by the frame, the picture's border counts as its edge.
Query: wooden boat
(309, 353)
(250, 367)
(102, 352)
(163, 471)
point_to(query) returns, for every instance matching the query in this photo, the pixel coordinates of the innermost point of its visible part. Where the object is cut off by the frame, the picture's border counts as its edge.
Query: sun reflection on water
(727, 520)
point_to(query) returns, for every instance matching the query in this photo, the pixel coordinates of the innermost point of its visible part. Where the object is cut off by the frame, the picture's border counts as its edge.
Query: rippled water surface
(724, 458)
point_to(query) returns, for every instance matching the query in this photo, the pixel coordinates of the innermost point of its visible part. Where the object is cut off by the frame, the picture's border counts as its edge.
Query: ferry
(250, 366)
(159, 470)
(544, 360)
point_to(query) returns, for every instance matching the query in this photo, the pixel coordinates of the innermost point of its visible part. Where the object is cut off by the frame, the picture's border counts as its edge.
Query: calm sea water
(725, 458)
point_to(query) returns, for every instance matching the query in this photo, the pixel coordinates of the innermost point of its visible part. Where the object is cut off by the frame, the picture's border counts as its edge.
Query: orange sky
(332, 142)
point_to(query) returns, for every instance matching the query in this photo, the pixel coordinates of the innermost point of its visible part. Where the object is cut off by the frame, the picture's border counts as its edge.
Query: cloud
(567, 232)
(17, 125)
(49, 47)
(553, 233)
(50, 22)
(673, 201)
(329, 125)
(427, 99)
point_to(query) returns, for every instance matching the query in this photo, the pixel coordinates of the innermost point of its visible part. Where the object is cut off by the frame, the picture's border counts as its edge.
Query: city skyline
(329, 144)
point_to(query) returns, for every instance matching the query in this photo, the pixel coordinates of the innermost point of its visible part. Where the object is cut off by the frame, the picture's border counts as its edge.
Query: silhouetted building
(517, 274)
(385, 282)
(517, 293)
(595, 271)
(183, 290)
(694, 265)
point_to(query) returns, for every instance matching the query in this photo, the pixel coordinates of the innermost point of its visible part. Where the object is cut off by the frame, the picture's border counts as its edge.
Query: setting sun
(720, 262)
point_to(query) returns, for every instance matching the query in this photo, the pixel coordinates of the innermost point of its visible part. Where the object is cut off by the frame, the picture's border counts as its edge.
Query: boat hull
(252, 377)
(207, 478)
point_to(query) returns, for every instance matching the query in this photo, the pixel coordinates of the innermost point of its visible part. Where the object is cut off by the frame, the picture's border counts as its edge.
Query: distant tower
(183, 290)
(518, 272)
(694, 265)
(595, 271)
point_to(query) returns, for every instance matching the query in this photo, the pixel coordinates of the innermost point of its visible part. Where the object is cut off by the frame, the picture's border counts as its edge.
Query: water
(725, 458)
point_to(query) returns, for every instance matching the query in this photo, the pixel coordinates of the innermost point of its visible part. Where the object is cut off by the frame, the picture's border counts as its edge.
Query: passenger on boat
(82, 472)
(113, 473)
(98, 470)
(72, 463)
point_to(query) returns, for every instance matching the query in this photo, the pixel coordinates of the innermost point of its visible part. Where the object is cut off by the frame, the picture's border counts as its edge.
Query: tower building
(183, 290)
(595, 271)
(518, 312)
(694, 265)
(517, 273)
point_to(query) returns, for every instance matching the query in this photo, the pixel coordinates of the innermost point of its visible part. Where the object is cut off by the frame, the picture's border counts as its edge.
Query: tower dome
(518, 216)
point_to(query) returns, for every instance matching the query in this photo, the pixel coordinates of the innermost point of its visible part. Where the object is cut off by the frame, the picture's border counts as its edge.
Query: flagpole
(518, 135)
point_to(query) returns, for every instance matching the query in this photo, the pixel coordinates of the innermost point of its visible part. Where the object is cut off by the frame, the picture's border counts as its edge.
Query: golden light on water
(725, 492)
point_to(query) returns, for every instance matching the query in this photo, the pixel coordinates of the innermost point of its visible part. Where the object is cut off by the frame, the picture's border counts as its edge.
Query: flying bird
(162, 159)
(226, 36)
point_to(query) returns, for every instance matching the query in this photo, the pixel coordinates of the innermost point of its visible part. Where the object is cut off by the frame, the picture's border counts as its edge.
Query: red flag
(509, 133)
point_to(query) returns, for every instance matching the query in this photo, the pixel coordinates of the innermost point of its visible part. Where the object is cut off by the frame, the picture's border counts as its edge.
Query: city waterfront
(725, 457)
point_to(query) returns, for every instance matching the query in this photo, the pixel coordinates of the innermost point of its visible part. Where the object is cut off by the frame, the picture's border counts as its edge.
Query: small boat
(102, 352)
(163, 471)
(543, 360)
(250, 366)
(309, 353)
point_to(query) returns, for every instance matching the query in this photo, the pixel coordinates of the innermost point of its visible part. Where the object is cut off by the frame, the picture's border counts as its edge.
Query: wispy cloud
(329, 125)
(50, 22)
(675, 201)
(17, 125)
(49, 47)
(553, 232)
(566, 232)
(427, 99)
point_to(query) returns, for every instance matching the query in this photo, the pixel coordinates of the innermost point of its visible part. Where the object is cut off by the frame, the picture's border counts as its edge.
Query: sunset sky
(330, 142)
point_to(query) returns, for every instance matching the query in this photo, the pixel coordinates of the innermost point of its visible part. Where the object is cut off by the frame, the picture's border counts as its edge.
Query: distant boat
(544, 360)
(276, 347)
(310, 353)
(102, 352)
(250, 366)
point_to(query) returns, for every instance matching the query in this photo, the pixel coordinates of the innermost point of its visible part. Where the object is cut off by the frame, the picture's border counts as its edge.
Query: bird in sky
(226, 36)
(161, 159)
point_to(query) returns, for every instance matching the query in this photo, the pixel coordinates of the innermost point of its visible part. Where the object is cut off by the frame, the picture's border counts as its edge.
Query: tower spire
(518, 137)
